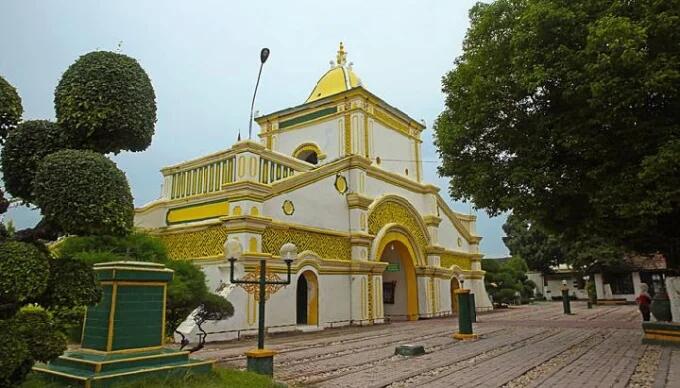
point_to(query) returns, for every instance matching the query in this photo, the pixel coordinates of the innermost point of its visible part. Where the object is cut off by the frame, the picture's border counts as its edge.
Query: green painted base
(409, 350)
(261, 362)
(81, 368)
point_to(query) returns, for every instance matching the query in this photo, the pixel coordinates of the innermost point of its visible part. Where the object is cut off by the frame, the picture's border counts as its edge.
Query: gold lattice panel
(195, 244)
(325, 245)
(254, 289)
(392, 212)
(447, 260)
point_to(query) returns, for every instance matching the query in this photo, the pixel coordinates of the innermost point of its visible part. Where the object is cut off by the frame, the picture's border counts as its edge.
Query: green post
(464, 316)
(565, 299)
(473, 308)
(260, 360)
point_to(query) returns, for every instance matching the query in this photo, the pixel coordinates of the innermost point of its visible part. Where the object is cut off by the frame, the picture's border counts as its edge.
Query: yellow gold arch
(313, 298)
(395, 209)
(309, 147)
(455, 284)
(405, 249)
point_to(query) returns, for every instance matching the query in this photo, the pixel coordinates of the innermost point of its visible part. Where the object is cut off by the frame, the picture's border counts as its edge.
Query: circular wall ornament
(288, 207)
(340, 184)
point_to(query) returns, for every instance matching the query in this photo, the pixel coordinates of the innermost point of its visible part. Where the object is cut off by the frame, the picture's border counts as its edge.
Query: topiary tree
(96, 200)
(25, 273)
(504, 279)
(29, 333)
(105, 102)
(25, 147)
(15, 357)
(10, 108)
(37, 328)
(213, 308)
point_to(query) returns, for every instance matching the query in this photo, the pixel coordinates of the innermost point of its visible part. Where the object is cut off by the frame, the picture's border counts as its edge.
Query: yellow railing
(203, 179)
(271, 171)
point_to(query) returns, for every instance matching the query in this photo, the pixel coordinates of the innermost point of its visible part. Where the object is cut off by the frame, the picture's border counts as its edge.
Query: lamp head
(233, 249)
(288, 252)
(564, 282)
(264, 54)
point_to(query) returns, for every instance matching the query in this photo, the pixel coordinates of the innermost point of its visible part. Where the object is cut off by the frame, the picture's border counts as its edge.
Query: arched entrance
(400, 290)
(455, 284)
(307, 299)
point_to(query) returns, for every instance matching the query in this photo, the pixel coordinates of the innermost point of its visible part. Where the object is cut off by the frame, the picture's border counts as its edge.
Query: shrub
(38, 330)
(71, 283)
(98, 249)
(186, 291)
(506, 295)
(25, 272)
(25, 148)
(96, 200)
(14, 355)
(106, 103)
(10, 108)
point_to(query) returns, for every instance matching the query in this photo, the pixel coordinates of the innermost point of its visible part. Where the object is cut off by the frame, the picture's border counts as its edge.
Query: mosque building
(340, 176)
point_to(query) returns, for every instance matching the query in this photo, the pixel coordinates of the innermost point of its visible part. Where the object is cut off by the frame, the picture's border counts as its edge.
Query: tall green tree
(568, 114)
(541, 251)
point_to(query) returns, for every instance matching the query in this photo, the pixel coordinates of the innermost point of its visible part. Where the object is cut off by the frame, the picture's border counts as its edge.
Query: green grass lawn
(220, 378)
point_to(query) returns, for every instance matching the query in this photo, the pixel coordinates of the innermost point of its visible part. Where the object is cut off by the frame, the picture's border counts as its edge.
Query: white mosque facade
(340, 176)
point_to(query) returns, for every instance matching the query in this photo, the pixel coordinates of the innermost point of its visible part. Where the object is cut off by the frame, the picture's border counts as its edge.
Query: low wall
(661, 333)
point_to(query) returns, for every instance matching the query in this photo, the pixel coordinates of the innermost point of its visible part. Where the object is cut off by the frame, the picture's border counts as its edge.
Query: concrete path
(528, 346)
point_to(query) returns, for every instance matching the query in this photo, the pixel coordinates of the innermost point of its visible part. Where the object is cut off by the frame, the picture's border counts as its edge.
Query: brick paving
(528, 346)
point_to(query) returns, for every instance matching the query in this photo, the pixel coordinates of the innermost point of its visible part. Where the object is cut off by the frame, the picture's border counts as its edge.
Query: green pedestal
(261, 361)
(464, 316)
(473, 308)
(123, 334)
(566, 302)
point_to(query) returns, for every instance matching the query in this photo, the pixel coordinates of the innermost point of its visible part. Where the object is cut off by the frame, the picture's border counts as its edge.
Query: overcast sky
(203, 56)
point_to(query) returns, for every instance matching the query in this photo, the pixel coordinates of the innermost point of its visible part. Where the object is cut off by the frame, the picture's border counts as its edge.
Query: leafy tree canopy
(568, 114)
(505, 279)
(24, 149)
(97, 249)
(105, 102)
(540, 250)
(10, 108)
(94, 201)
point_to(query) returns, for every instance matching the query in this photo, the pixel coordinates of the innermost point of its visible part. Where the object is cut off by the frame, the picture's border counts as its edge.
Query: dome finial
(341, 58)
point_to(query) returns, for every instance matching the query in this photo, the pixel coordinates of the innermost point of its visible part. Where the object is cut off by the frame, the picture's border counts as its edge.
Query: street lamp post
(264, 54)
(586, 279)
(260, 360)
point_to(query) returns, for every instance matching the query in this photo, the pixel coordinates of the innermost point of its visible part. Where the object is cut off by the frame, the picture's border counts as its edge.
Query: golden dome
(336, 80)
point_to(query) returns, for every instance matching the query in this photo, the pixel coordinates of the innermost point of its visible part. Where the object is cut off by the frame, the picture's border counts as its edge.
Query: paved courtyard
(529, 346)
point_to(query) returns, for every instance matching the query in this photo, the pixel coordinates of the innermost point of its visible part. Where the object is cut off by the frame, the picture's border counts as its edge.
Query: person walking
(644, 300)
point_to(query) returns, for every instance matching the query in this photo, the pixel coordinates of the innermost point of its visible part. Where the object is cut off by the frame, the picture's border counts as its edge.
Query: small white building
(340, 176)
(549, 285)
(624, 283)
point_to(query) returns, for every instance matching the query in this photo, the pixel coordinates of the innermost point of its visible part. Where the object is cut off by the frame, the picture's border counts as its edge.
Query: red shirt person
(644, 300)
